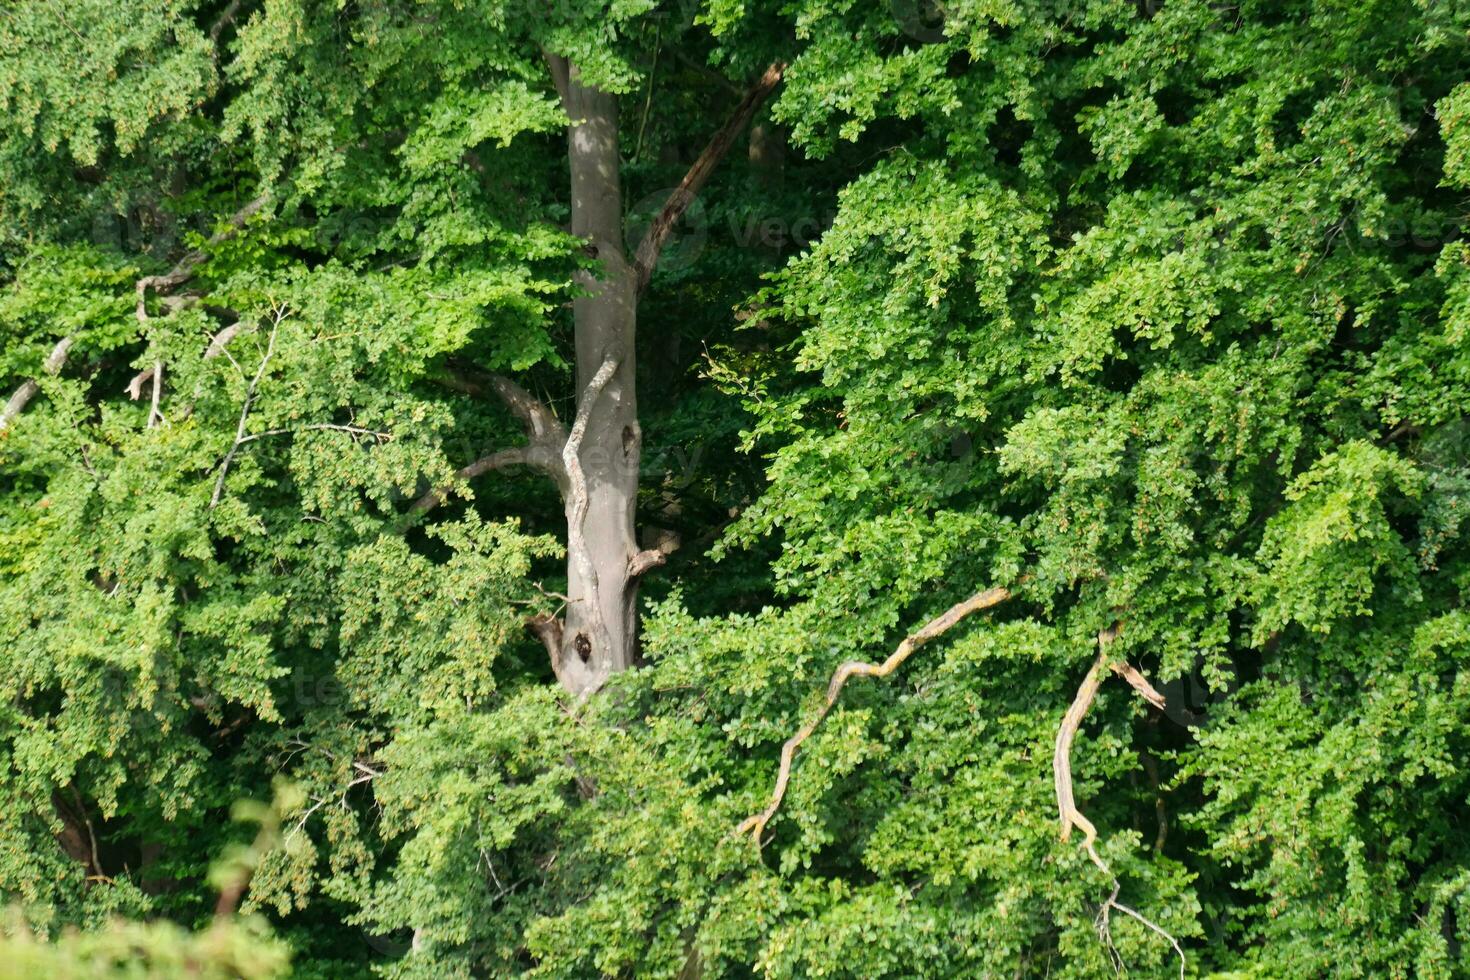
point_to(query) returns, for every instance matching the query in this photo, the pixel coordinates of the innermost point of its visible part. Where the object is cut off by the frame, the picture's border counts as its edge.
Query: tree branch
(545, 433)
(1066, 802)
(560, 75)
(646, 256)
(755, 825)
(29, 388)
(495, 461)
(548, 630)
(240, 439)
(183, 270)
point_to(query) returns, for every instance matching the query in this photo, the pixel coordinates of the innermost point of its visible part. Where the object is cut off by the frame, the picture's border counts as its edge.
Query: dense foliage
(1156, 315)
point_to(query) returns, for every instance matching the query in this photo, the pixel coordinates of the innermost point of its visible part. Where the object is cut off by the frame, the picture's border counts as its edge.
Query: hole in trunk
(583, 647)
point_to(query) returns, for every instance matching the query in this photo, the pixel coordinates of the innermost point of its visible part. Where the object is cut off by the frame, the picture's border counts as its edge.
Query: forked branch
(755, 825)
(545, 434)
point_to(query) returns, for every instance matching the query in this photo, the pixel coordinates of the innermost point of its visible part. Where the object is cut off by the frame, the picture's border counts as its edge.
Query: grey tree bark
(603, 450)
(595, 462)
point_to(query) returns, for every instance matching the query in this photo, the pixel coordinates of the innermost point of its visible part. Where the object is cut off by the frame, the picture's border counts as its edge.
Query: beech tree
(1048, 423)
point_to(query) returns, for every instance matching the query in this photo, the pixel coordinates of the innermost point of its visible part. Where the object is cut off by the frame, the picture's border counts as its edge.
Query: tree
(604, 563)
(1074, 568)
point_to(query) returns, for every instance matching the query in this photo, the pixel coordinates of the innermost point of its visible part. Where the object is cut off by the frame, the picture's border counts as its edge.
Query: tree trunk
(598, 638)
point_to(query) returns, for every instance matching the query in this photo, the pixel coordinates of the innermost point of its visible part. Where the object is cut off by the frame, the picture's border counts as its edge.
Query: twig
(755, 825)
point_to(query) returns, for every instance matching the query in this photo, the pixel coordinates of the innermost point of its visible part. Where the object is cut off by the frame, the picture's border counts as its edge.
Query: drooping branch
(755, 825)
(1066, 801)
(646, 255)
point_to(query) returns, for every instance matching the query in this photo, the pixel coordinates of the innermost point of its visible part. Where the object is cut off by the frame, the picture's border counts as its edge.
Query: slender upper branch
(646, 256)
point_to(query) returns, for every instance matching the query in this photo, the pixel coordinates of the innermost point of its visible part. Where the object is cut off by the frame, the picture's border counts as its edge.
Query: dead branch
(225, 19)
(755, 825)
(29, 388)
(646, 255)
(1139, 683)
(1066, 801)
(135, 386)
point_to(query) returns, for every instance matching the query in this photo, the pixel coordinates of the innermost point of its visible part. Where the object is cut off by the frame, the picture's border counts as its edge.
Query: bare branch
(544, 431)
(646, 256)
(155, 417)
(226, 18)
(1139, 683)
(29, 388)
(646, 560)
(240, 439)
(755, 825)
(541, 423)
(57, 357)
(135, 386)
(1066, 802)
